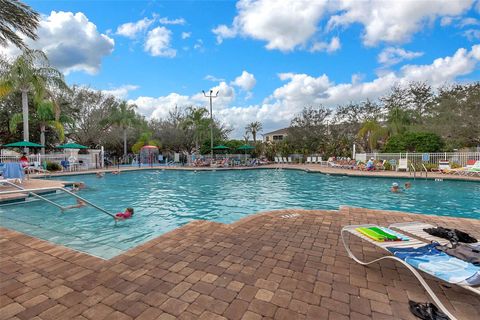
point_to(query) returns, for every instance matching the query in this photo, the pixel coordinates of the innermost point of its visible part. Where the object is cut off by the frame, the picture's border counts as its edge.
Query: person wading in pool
(124, 215)
(395, 187)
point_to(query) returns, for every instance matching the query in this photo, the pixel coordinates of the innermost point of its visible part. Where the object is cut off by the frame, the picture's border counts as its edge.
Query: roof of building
(279, 131)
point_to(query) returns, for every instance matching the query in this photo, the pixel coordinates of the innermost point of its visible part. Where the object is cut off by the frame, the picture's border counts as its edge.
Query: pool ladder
(32, 192)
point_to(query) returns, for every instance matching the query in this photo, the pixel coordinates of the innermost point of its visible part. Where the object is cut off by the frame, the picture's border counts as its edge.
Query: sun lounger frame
(415, 243)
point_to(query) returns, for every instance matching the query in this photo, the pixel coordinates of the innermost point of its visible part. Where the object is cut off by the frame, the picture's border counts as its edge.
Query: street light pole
(211, 96)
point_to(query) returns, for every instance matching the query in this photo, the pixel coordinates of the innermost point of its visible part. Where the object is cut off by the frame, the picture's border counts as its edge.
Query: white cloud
(284, 25)
(132, 29)
(290, 24)
(82, 52)
(199, 45)
(394, 21)
(329, 47)
(209, 77)
(158, 43)
(122, 91)
(468, 22)
(301, 90)
(179, 21)
(472, 34)
(246, 81)
(391, 56)
(186, 35)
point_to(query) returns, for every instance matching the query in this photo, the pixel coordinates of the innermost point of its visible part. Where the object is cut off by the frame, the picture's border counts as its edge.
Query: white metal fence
(459, 158)
(78, 161)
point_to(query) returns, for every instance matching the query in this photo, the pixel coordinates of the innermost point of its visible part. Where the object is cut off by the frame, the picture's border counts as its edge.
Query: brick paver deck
(263, 267)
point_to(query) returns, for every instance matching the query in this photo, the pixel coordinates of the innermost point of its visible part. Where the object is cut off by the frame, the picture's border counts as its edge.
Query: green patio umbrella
(220, 147)
(22, 144)
(246, 147)
(72, 146)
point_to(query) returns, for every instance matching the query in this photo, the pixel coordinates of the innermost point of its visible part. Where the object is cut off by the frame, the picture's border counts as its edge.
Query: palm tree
(372, 131)
(254, 128)
(45, 114)
(197, 120)
(30, 73)
(398, 120)
(15, 17)
(124, 116)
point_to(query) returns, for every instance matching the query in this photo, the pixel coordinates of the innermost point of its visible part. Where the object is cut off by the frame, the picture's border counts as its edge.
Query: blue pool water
(165, 200)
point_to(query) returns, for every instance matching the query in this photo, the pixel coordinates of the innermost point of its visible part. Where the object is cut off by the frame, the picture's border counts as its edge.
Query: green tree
(372, 132)
(414, 142)
(30, 73)
(145, 139)
(398, 120)
(17, 17)
(198, 123)
(254, 128)
(45, 116)
(124, 116)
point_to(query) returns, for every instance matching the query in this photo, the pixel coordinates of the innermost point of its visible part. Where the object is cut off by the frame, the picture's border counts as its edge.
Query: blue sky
(267, 58)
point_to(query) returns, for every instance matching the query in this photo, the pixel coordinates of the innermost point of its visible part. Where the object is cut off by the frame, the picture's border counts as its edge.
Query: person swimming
(124, 215)
(100, 174)
(408, 185)
(395, 187)
(79, 204)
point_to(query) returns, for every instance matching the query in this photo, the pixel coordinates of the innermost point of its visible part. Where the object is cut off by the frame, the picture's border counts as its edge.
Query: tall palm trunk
(124, 142)
(26, 132)
(42, 137)
(254, 134)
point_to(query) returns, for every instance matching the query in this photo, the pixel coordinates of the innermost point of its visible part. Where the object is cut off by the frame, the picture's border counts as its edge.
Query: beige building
(274, 136)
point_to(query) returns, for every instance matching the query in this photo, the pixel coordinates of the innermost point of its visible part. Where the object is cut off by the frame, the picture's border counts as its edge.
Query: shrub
(53, 166)
(414, 142)
(431, 166)
(387, 166)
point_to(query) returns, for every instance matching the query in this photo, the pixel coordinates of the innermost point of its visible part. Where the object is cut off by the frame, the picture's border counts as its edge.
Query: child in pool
(124, 215)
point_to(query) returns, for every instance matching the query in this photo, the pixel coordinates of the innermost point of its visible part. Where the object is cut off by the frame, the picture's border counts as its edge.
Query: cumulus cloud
(132, 29)
(329, 47)
(122, 91)
(186, 35)
(391, 56)
(394, 21)
(300, 90)
(246, 81)
(84, 52)
(158, 43)
(272, 21)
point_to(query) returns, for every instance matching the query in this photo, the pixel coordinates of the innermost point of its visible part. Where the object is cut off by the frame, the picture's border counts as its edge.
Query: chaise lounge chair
(444, 267)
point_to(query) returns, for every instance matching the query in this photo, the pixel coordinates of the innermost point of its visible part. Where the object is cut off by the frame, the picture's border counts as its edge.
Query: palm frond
(14, 121)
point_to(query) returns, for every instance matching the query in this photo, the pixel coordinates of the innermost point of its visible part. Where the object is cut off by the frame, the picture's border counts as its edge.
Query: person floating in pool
(79, 204)
(100, 174)
(408, 185)
(395, 187)
(124, 215)
(116, 172)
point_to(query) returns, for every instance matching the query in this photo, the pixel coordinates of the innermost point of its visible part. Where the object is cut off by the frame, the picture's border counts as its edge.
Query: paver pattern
(262, 267)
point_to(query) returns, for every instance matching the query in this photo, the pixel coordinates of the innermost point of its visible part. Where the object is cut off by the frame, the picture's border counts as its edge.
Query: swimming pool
(165, 200)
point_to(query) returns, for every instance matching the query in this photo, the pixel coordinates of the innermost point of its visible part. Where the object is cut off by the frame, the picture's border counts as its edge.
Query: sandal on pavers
(426, 311)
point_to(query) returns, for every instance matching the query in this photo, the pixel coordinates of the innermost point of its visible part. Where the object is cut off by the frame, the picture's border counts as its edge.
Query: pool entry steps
(34, 194)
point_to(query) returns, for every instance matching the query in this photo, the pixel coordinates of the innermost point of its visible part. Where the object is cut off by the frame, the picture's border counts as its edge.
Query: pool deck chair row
(450, 266)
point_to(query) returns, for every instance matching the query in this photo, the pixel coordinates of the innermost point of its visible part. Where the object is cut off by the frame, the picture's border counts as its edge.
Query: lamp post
(211, 96)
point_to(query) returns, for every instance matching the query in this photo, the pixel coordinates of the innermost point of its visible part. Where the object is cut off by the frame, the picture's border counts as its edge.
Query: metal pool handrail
(32, 191)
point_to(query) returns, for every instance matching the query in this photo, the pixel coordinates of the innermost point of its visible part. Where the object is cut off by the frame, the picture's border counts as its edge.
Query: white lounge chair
(277, 160)
(284, 160)
(289, 159)
(309, 160)
(411, 243)
(402, 164)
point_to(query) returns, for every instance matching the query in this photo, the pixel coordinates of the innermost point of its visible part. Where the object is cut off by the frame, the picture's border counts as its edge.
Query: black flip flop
(426, 311)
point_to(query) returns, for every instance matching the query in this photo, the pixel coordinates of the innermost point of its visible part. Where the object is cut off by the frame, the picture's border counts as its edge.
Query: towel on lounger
(439, 264)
